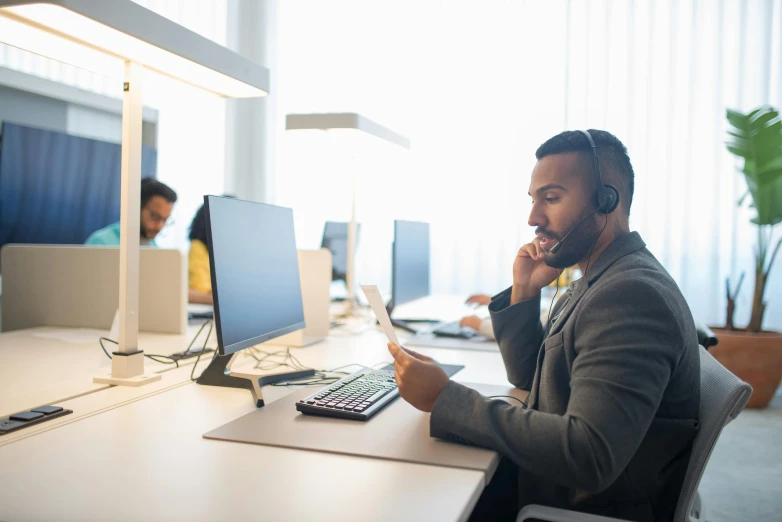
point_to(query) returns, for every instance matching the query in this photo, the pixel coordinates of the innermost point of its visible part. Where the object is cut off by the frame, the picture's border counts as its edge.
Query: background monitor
(410, 262)
(255, 272)
(335, 238)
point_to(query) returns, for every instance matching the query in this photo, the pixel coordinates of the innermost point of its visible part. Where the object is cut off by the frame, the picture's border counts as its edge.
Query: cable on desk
(203, 349)
(336, 370)
(261, 357)
(271, 361)
(153, 356)
(321, 377)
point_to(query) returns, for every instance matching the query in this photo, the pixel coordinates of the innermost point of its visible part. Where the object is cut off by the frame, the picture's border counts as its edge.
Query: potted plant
(751, 353)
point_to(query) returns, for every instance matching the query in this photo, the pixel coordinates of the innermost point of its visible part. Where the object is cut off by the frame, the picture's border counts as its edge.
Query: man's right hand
(530, 272)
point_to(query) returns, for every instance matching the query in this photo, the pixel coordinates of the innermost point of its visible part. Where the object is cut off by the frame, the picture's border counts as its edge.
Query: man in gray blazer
(614, 376)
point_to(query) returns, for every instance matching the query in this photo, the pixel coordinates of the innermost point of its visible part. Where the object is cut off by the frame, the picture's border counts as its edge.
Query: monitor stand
(219, 373)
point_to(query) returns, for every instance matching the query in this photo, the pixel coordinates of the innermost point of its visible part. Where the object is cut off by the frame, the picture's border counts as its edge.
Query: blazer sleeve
(626, 351)
(519, 334)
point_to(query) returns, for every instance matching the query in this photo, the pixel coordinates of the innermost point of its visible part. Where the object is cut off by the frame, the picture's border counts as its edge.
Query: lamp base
(138, 380)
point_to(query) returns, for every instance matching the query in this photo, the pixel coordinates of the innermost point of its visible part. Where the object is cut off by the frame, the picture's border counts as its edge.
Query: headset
(606, 196)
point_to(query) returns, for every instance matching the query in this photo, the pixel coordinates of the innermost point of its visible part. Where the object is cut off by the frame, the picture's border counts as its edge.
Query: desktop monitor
(335, 238)
(255, 272)
(255, 286)
(410, 263)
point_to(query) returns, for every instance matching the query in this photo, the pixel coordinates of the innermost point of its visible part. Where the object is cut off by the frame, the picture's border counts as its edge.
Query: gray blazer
(614, 391)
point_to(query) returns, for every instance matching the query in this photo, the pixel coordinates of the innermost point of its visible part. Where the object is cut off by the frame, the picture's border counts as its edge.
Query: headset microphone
(556, 247)
(606, 196)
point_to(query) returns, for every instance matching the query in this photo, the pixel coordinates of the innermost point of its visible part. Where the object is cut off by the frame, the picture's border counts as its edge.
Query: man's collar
(622, 246)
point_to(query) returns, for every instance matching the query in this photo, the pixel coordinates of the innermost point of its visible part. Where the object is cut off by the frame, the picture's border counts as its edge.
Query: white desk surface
(135, 453)
(41, 371)
(38, 367)
(149, 443)
(147, 460)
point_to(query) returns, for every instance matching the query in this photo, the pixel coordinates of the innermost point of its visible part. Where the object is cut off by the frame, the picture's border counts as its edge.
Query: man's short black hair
(615, 166)
(152, 187)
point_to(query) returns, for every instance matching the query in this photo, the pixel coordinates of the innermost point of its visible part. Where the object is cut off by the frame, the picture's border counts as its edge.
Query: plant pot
(755, 358)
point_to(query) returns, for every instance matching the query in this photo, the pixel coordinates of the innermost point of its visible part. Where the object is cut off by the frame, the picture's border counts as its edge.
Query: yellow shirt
(198, 267)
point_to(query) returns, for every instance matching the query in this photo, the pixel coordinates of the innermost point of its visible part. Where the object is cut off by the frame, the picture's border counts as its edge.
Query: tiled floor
(743, 480)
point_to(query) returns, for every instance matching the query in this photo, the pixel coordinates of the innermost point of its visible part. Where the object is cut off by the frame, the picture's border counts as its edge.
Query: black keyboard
(454, 330)
(357, 396)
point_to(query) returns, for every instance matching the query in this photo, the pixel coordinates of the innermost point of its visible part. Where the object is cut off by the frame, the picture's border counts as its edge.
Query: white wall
(477, 87)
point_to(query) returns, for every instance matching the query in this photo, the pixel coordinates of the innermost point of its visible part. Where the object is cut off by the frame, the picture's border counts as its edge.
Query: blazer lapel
(559, 315)
(622, 246)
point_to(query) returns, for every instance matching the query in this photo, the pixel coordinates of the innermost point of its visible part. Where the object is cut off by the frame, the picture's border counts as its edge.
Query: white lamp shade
(100, 35)
(346, 121)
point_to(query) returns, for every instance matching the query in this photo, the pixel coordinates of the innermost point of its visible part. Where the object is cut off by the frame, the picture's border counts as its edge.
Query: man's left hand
(419, 378)
(473, 321)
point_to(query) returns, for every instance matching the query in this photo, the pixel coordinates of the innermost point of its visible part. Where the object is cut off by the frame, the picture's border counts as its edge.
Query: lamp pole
(350, 274)
(127, 364)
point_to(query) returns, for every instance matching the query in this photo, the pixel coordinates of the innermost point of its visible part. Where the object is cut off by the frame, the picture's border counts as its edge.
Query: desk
(131, 454)
(167, 471)
(38, 368)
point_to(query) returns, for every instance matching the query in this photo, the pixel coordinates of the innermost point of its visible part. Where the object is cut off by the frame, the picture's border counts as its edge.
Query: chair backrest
(723, 396)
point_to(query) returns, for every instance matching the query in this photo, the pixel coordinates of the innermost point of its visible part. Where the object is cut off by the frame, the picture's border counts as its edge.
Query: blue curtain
(56, 188)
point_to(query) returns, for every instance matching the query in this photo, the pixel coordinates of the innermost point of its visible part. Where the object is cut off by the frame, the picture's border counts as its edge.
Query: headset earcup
(610, 199)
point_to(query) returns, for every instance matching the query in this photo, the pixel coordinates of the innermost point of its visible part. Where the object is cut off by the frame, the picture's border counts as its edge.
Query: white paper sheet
(376, 302)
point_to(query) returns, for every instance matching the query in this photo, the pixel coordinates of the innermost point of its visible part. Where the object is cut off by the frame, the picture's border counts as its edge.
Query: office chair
(723, 396)
(706, 336)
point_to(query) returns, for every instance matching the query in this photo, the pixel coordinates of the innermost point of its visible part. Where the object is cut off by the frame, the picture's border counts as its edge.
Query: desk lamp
(119, 38)
(351, 122)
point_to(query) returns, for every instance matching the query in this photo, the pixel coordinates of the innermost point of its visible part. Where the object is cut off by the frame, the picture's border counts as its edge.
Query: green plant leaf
(738, 120)
(760, 117)
(769, 175)
(757, 138)
(739, 151)
(749, 169)
(774, 164)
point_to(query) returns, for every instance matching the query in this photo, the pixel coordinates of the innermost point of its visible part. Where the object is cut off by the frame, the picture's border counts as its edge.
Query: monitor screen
(410, 266)
(255, 272)
(335, 238)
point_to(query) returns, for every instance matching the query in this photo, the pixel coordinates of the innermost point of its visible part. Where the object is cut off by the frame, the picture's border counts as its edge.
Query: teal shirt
(109, 236)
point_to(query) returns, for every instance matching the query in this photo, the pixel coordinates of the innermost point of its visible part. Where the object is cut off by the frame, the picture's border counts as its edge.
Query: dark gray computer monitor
(255, 272)
(255, 285)
(410, 262)
(335, 238)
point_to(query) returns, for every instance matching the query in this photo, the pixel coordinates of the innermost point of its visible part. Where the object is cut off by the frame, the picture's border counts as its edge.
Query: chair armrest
(559, 515)
(706, 337)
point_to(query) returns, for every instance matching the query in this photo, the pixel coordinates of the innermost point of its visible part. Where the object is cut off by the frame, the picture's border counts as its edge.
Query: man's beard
(576, 247)
(145, 235)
